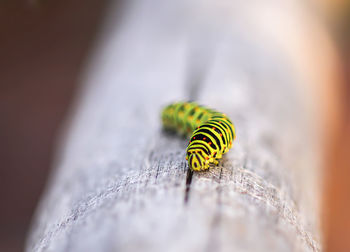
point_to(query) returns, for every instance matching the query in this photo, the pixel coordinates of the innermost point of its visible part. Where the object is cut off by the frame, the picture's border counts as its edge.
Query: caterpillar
(211, 132)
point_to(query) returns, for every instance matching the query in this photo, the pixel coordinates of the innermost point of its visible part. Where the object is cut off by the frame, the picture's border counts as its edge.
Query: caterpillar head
(197, 161)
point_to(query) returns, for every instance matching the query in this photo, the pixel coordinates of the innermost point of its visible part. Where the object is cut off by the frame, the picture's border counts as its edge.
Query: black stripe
(201, 147)
(192, 111)
(210, 133)
(190, 160)
(230, 128)
(219, 129)
(181, 108)
(222, 119)
(187, 114)
(175, 115)
(200, 143)
(195, 163)
(199, 137)
(200, 115)
(223, 127)
(208, 130)
(200, 154)
(199, 160)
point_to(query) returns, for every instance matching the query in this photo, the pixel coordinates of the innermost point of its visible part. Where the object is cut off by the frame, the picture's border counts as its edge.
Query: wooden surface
(121, 184)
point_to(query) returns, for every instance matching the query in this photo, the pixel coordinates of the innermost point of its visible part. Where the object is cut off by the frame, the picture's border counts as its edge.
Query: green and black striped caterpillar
(212, 132)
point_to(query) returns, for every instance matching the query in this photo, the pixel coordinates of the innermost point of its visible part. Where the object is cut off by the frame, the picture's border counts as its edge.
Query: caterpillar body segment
(212, 132)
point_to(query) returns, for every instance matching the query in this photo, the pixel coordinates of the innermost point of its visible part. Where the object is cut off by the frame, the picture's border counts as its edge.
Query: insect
(211, 132)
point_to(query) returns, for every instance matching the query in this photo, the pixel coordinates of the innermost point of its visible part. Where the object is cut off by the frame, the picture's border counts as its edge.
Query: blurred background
(44, 45)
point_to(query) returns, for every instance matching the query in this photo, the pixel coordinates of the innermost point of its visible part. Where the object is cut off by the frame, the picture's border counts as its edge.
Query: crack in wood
(157, 172)
(188, 184)
(213, 243)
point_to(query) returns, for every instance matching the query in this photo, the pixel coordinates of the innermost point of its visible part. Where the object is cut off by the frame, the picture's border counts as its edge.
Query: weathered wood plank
(121, 184)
